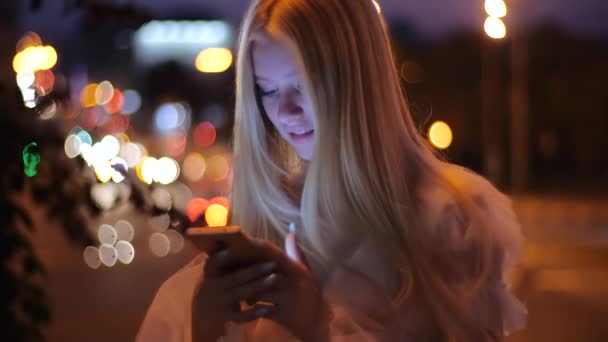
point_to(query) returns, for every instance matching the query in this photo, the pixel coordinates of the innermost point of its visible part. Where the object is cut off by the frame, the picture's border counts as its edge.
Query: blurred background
(115, 136)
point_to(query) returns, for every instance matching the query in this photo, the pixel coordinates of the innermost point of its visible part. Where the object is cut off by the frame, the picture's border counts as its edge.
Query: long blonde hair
(369, 158)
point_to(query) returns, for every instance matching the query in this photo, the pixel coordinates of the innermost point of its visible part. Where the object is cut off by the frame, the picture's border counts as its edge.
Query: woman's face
(277, 77)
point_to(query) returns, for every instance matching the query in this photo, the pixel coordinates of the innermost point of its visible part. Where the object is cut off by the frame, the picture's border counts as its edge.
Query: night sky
(431, 18)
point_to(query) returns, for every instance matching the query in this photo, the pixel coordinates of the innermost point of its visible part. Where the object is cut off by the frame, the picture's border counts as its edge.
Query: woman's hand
(218, 295)
(298, 301)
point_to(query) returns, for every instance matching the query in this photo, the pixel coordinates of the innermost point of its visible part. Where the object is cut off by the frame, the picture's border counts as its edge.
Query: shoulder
(444, 210)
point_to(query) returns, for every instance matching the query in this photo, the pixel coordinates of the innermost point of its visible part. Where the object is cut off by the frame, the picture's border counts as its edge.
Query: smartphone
(213, 239)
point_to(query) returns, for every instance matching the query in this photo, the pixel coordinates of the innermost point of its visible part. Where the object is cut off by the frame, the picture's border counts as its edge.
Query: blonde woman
(392, 243)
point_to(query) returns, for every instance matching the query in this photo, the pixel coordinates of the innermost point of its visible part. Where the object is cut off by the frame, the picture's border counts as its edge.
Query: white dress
(169, 317)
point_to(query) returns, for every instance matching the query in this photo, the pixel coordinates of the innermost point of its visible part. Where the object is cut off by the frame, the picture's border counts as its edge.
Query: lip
(301, 137)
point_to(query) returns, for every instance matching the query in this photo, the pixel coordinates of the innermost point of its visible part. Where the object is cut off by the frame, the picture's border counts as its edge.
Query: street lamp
(494, 26)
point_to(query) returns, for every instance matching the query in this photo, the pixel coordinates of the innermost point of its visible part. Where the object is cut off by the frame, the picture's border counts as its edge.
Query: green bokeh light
(31, 159)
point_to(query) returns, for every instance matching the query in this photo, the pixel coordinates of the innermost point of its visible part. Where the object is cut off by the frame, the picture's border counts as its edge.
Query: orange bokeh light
(196, 208)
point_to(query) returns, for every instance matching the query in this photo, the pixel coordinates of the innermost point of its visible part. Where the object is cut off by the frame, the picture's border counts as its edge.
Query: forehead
(272, 59)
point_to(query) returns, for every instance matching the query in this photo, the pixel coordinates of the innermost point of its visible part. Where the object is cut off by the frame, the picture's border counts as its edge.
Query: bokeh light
(29, 39)
(176, 241)
(103, 170)
(196, 208)
(412, 72)
(104, 195)
(159, 244)
(194, 166)
(117, 176)
(166, 171)
(216, 215)
(91, 257)
(35, 58)
(44, 81)
(146, 169)
(495, 28)
(174, 143)
(125, 252)
(125, 230)
(162, 199)
(108, 255)
(170, 116)
(72, 146)
(131, 153)
(87, 95)
(84, 137)
(107, 234)
(115, 104)
(217, 167)
(221, 200)
(104, 93)
(159, 223)
(440, 135)
(131, 102)
(213, 60)
(204, 134)
(495, 8)
(25, 79)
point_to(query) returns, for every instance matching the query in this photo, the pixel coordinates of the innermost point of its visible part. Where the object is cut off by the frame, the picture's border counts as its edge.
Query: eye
(268, 93)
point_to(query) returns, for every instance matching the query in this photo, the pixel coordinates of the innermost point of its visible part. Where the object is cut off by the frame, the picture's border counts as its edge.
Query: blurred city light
(125, 230)
(194, 167)
(166, 171)
(495, 28)
(196, 207)
(35, 58)
(146, 169)
(159, 244)
(217, 167)
(29, 39)
(204, 134)
(159, 223)
(91, 257)
(87, 95)
(108, 255)
(495, 8)
(125, 252)
(104, 93)
(131, 102)
(160, 41)
(213, 60)
(107, 234)
(72, 146)
(216, 215)
(170, 116)
(162, 199)
(103, 170)
(116, 102)
(176, 240)
(131, 153)
(221, 200)
(440, 135)
(117, 176)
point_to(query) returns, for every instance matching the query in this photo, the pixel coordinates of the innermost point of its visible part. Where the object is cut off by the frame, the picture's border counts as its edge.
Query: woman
(393, 244)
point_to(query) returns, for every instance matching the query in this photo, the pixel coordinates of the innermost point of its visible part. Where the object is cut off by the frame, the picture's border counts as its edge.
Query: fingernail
(270, 279)
(292, 227)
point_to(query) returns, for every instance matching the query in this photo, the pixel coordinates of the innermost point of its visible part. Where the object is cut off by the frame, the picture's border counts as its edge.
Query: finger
(269, 251)
(253, 289)
(248, 274)
(215, 262)
(258, 310)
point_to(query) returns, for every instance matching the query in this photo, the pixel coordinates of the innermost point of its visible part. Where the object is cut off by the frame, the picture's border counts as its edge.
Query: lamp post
(492, 120)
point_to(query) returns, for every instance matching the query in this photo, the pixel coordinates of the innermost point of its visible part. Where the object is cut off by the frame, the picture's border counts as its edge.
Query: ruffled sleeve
(494, 306)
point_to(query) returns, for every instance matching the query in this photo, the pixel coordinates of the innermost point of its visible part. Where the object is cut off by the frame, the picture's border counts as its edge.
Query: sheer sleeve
(494, 306)
(168, 317)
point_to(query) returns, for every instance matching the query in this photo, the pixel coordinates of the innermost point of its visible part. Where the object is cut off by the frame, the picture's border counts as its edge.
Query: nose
(290, 105)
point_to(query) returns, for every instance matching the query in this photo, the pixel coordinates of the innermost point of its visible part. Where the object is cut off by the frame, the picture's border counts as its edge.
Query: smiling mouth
(301, 136)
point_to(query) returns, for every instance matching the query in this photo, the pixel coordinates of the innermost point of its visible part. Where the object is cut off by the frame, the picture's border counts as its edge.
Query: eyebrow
(261, 78)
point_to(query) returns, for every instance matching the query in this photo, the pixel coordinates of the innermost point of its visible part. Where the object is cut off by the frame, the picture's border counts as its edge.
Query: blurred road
(563, 280)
